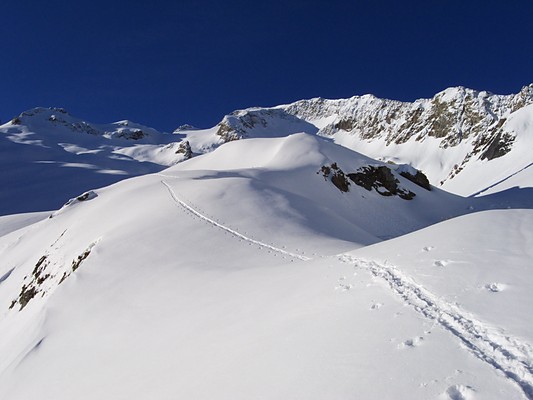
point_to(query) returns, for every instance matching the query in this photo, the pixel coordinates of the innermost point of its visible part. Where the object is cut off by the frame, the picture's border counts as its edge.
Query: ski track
(503, 352)
(229, 230)
(508, 355)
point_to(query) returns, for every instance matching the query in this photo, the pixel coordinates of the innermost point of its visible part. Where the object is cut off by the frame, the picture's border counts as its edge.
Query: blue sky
(166, 63)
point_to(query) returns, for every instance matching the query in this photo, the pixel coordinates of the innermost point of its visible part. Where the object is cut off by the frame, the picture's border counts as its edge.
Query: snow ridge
(503, 352)
(225, 228)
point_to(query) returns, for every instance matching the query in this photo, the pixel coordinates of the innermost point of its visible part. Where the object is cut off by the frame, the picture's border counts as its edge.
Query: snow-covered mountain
(51, 156)
(284, 266)
(464, 140)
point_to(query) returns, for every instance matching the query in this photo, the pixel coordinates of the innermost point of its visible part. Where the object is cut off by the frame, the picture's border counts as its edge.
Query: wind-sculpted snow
(503, 352)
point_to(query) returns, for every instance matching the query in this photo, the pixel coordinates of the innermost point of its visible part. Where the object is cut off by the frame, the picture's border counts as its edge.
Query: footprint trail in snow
(503, 352)
(229, 230)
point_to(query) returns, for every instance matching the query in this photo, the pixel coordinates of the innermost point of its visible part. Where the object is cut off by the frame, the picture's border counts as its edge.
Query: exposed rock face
(82, 197)
(71, 202)
(382, 180)
(277, 121)
(49, 272)
(379, 178)
(453, 115)
(236, 125)
(228, 133)
(185, 149)
(337, 177)
(499, 146)
(134, 134)
(414, 176)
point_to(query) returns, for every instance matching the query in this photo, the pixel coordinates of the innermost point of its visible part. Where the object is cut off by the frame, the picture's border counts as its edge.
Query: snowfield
(262, 270)
(51, 155)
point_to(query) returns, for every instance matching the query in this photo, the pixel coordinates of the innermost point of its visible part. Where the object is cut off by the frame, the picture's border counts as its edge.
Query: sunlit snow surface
(244, 274)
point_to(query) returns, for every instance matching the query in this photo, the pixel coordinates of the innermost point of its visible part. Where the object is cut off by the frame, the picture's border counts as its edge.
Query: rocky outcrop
(130, 134)
(185, 127)
(382, 180)
(414, 175)
(337, 177)
(60, 118)
(71, 202)
(499, 146)
(261, 122)
(57, 119)
(185, 149)
(83, 197)
(49, 272)
(236, 125)
(378, 178)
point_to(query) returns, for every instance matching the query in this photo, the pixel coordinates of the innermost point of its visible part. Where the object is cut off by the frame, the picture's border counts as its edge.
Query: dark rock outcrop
(379, 178)
(185, 149)
(418, 178)
(337, 177)
(382, 180)
(135, 134)
(499, 146)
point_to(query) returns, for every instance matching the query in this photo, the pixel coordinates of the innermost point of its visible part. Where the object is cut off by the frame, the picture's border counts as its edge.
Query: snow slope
(11, 223)
(220, 278)
(472, 277)
(510, 170)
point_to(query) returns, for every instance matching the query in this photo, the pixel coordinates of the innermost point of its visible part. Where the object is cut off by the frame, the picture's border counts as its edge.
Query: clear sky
(166, 63)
